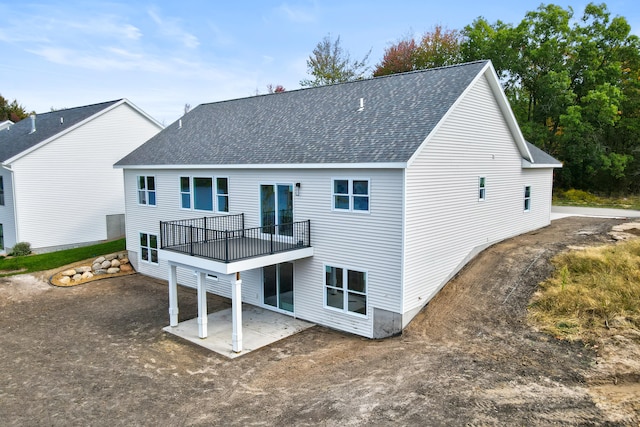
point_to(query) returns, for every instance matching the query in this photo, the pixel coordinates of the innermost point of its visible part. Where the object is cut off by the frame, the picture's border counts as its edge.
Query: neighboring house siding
(66, 188)
(368, 242)
(7, 213)
(446, 224)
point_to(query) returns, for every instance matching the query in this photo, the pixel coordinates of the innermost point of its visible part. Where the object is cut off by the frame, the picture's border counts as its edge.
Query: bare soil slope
(95, 355)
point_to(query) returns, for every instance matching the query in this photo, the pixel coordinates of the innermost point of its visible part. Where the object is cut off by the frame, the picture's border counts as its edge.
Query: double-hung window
(199, 193)
(149, 248)
(147, 190)
(527, 198)
(351, 195)
(1, 191)
(482, 188)
(346, 290)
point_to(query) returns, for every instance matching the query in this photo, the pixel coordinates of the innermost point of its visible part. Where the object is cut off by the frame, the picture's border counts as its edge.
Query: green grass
(591, 290)
(583, 198)
(48, 261)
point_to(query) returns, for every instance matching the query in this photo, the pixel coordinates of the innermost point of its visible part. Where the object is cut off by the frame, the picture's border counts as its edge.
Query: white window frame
(527, 198)
(145, 191)
(482, 188)
(345, 290)
(148, 247)
(351, 195)
(214, 190)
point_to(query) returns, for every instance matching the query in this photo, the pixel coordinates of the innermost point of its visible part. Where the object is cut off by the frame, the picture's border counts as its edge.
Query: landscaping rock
(113, 270)
(122, 255)
(64, 280)
(99, 260)
(87, 275)
(83, 269)
(105, 264)
(99, 272)
(76, 277)
(70, 272)
(110, 257)
(96, 266)
(115, 263)
(125, 268)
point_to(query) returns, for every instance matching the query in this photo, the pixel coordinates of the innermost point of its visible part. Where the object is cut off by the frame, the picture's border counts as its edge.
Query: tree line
(573, 82)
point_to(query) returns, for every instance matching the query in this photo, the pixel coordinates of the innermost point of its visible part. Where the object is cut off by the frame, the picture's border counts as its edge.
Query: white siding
(370, 242)
(7, 213)
(65, 189)
(445, 222)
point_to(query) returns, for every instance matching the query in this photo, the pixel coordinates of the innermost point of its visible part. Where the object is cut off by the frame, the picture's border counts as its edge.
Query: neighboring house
(347, 205)
(58, 187)
(5, 124)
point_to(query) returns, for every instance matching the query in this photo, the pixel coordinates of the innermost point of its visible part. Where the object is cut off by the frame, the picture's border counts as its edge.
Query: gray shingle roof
(315, 125)
(540, 157)
(18, 137)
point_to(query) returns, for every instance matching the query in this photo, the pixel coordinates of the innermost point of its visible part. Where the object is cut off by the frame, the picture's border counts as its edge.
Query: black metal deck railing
(224, 238)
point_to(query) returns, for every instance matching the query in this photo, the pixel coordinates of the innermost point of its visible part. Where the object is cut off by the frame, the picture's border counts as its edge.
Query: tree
(275, 89)
(574, 89)
(11, 110)
(437, 48)
(330, 63)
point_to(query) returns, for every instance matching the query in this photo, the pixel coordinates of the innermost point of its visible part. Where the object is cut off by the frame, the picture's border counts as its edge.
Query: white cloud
(171, 28)
(298, 14)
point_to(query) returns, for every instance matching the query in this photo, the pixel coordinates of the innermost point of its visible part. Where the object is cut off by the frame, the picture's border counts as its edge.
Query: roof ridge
(81, 106)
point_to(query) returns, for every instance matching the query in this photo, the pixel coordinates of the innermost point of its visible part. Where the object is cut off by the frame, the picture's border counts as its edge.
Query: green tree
(11, 110)
(330, 63)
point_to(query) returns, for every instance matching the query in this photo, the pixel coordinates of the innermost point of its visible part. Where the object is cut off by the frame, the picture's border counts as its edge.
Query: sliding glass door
(276, 209)
(277, 283)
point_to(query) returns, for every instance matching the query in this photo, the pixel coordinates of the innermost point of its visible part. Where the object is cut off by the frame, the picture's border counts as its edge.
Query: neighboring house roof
(383, 120)
(20, 138)
(5, 124)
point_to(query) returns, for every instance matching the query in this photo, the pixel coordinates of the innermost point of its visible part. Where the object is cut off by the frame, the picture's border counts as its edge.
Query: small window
(147, 190)
(1, 194)
(527, 198)
(1, 237)
(149, 248)
(346, 290)
(222, 192)
(351, 195)
(482, 188)
(185, 192)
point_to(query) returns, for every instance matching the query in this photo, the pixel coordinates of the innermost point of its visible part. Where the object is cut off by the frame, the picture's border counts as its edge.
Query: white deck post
(173, 296)
(236, 314)
(202, 306)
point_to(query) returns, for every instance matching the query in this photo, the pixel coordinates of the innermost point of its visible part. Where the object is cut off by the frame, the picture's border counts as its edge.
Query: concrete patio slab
(260, 327)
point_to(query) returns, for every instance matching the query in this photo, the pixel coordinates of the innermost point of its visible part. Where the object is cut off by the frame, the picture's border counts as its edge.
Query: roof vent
(61, 120)
(180, 124)
(33, 123)
(361, 104)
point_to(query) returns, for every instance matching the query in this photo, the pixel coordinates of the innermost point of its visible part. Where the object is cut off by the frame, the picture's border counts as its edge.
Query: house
(347, 205)
(58, 188)
(5, 124)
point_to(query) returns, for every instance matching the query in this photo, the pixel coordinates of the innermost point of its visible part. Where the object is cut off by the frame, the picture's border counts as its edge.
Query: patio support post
(236, 314)
(173, 296)
(202, 305)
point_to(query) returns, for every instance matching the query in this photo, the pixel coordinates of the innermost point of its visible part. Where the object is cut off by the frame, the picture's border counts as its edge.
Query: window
(201, 190)
(149, 248)
(147, 190)
(527, 198)
(482, 188)
(346, 290)
(1, 237)
(1, 193)
(351, 195)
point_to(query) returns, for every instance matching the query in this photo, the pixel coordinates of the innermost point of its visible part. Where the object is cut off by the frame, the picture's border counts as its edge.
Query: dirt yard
(95, 355)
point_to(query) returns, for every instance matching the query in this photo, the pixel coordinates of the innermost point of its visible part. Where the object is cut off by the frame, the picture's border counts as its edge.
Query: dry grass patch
(591, 290)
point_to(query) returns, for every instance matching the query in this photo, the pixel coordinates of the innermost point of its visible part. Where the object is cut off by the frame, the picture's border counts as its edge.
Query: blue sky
(163, 55)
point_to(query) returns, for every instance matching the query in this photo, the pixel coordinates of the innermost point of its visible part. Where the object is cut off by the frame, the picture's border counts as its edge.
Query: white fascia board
(528, 165)
(79, 124)
(394, 165)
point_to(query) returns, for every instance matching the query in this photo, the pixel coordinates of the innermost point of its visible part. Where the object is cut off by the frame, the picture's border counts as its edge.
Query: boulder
(99, 260)
(115, 263)
(113, 270)
(122, 255)
(87, 275)
(124, 260)
(96, 266)
(125, 268)
(70, 272)
(105, 264)
(76, 277)
(99, 272)
(110, 257)
(83, 269)
(64, 280)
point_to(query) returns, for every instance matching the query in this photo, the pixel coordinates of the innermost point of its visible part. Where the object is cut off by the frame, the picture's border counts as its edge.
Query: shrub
(21, 249)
